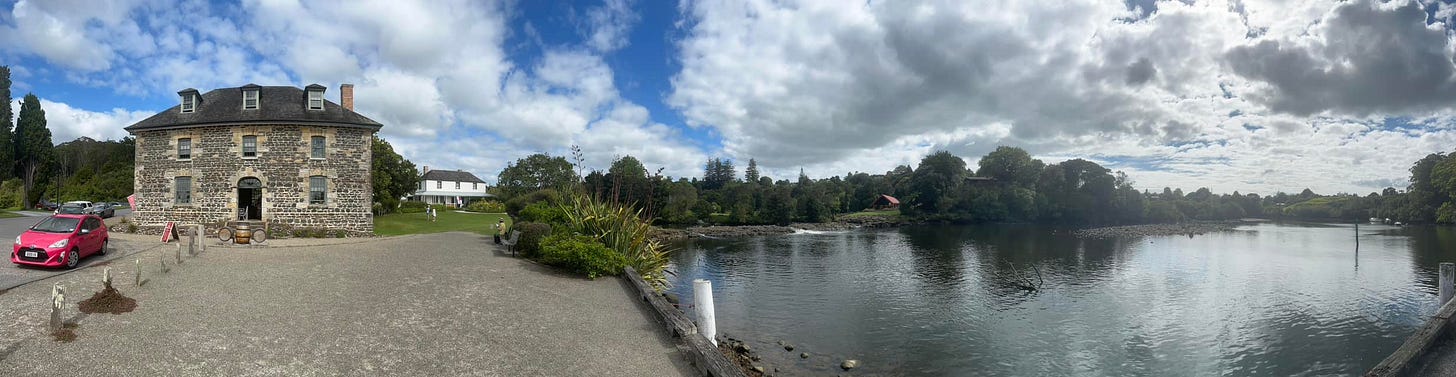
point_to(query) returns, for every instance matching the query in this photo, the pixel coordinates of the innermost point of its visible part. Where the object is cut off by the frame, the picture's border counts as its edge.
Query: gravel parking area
(442, 304)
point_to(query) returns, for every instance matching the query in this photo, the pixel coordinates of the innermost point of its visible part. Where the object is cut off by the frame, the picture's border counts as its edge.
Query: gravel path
(436, 305)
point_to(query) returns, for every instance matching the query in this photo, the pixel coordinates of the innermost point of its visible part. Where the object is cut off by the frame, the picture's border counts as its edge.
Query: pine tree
(750, 174)
(7, 123)
(33, 144)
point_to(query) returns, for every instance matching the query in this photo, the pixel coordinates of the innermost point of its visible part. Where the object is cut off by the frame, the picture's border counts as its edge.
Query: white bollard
(106, 276)
(139, 272)
(1448, 273)
(703, 305)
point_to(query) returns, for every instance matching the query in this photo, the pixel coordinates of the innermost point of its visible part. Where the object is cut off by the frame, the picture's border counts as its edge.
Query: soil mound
(107, 301)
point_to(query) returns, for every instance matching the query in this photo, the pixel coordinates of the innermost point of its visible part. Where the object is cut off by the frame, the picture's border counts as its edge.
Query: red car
(60, 240)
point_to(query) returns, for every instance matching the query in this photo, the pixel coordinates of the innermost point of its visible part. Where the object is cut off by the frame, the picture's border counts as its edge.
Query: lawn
(395, 224)
(889, 214)
(8, 214)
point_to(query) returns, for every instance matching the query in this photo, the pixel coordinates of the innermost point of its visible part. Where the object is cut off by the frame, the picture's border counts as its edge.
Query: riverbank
(1144, 230)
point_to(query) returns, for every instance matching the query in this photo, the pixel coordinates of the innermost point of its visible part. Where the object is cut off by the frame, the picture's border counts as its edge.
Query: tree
(750, 173)
(33, 145)
(7, 147)
(394, 176)
(628, 183)
(939, 175)
(535, 172)
(717, 173)
(1011, 166)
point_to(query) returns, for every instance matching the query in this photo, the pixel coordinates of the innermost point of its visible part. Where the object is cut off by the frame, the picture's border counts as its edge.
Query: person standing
(500, 229)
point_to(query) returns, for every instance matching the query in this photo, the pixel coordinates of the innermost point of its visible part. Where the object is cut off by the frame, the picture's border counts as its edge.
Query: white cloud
(68, 123)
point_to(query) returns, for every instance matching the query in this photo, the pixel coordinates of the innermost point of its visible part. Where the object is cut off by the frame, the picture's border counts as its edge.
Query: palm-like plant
(621, 229)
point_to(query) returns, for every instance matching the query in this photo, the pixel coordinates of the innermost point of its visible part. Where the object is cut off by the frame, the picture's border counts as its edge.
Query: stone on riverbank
(1189, 229)
(849, 364)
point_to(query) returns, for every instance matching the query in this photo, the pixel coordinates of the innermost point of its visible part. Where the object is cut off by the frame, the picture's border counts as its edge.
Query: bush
(529, 244)
(516, 204)
(411, 207)
(582, 255)
(10, 193)
(486, 206)
(543, 212)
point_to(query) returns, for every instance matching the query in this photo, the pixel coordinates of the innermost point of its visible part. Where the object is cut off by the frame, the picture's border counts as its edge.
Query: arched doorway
(250, 199)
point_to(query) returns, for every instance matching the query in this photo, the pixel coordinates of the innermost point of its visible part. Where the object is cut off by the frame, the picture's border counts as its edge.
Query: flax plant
(623, 230)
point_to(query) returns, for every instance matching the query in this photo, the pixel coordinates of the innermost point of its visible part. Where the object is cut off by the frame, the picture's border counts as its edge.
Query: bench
(511, 242)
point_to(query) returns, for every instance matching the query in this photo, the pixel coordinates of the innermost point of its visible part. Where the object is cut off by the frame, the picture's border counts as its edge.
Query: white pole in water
(703, 305)
(1448, 273)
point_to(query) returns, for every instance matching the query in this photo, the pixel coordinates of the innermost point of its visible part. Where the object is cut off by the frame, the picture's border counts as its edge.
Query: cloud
(609, 25)
(1361, 58)
(68, 123)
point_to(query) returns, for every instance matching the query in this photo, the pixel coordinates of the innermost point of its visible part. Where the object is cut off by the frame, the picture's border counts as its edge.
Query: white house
(449, 187)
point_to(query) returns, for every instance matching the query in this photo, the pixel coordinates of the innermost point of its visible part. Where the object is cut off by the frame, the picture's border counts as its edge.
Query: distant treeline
(1007, 185)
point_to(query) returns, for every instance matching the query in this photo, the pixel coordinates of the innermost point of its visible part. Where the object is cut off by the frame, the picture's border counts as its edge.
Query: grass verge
(396, 224)
(890, 214)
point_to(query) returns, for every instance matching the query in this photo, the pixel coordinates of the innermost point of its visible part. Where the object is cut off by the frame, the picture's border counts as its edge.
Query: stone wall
(282, 164)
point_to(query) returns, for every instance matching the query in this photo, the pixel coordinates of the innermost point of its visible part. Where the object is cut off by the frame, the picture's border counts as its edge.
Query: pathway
(443, 304)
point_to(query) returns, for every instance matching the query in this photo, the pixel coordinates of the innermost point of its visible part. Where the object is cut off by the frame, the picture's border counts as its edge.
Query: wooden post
(1448, 273)
(58, 304)
(192, 244)
(106, 276)
(179, 252)
(703, 302)
(201, 239)
(163, 259)
(139, 272)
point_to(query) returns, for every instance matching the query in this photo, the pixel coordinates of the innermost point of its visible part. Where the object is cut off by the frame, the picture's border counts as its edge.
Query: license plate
(32, 254)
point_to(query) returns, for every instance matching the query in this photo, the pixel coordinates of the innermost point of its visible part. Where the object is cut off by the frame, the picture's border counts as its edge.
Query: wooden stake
(179, 252)
(139, 272)
(1448, 274)
(106, 276)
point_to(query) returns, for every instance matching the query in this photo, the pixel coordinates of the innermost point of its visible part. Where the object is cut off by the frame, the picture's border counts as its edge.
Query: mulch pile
(107, 301)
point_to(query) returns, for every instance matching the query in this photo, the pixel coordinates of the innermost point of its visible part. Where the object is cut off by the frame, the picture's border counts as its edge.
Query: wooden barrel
(243, 235)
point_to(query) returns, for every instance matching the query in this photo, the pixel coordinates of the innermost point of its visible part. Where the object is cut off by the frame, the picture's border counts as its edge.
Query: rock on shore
(1189, 229)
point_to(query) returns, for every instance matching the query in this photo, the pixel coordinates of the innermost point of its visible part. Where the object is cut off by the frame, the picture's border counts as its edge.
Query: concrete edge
(697, 349)
(1417, 344)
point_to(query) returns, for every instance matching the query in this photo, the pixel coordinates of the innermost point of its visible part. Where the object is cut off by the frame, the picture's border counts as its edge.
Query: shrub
(582, 255)
(486, 206)
(516, 204)
(622, 230)
(542, 212)
(529, 244)
(411, 207)
(10, 193)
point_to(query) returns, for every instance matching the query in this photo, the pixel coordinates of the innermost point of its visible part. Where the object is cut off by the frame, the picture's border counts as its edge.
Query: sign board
(167, 232)
(131, 201)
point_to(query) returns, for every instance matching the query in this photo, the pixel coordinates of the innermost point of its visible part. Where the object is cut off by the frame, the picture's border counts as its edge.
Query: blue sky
(1252, 95)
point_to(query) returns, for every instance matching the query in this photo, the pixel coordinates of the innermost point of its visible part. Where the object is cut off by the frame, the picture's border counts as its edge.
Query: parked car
(60, 241)
(72, 209)
(105, 210)
(46, 205)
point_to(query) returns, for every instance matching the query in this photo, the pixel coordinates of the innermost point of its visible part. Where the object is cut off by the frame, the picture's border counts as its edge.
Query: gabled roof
(451, 175)
(890, 199)
(277, 104)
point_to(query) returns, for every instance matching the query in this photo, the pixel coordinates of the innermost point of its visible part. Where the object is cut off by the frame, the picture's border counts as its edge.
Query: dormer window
(250, 99)
(189, 103)
(315, 100)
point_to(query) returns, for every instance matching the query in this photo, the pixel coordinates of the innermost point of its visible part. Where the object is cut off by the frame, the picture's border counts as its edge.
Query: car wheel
(104, 244)
(73, 259)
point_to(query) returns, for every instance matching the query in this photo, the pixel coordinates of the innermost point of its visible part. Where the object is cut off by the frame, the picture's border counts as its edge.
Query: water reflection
(1268, 299)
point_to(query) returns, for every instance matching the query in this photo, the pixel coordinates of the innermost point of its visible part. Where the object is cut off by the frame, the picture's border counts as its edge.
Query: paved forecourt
(441, 304)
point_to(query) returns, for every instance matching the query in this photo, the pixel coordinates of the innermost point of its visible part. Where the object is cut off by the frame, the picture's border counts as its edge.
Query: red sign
(131, 201)
(167, 233)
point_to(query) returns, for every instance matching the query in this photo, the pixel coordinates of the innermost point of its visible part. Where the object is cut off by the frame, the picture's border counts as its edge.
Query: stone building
(275, 154)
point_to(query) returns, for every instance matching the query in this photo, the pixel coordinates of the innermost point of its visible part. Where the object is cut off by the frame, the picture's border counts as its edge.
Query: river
(1267, 299)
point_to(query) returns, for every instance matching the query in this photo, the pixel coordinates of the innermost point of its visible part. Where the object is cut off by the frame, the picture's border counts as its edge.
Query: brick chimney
(427, 169)
(346, 96)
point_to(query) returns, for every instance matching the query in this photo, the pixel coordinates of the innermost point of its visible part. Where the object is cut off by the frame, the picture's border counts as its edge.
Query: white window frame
(439, 185)
(189, 103)
(322, 148)
(184, 141)
(250, 95)
(178, 191)
(322, 188)
(457, 185)
(245, 146)
(474, 185)
(315, 100)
